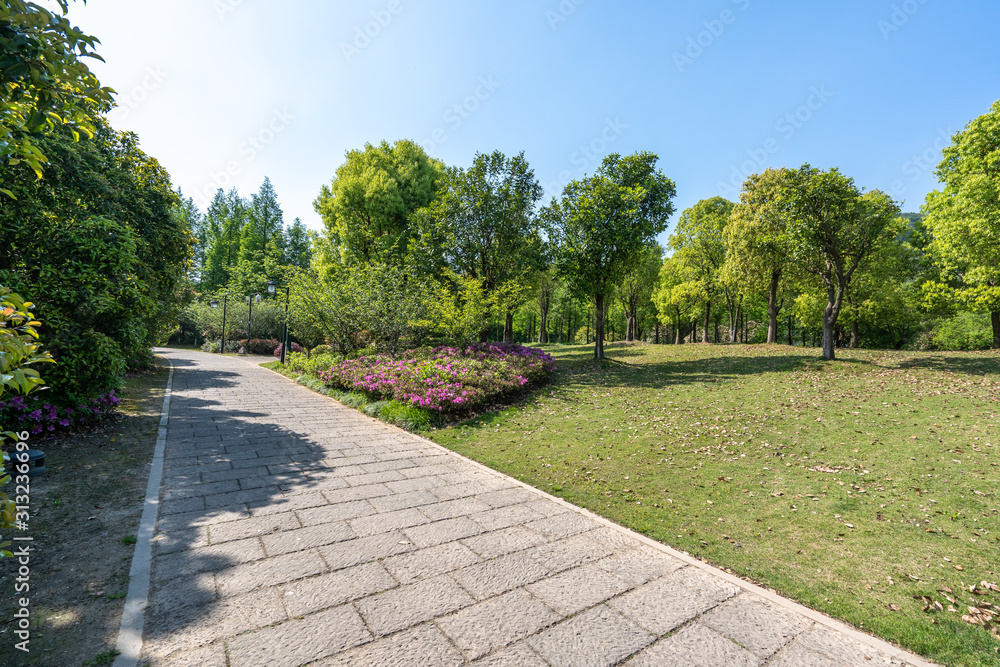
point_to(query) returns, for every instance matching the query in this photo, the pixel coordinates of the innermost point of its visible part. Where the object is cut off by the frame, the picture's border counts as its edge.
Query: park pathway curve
(293, 530)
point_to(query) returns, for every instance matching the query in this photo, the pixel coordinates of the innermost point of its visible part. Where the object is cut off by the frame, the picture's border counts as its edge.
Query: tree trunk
(599, 328)
(508, 327)
(657, 335)
(772, 308)
(677, 327)
(708, 313)
(789, 329)
(543, 323)
(995, 319)
(830, 313)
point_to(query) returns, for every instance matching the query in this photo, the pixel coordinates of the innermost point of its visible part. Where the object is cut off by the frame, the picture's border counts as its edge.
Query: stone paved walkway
(293, 530)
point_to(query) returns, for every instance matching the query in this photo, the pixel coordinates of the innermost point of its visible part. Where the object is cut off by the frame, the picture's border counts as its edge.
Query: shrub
(259, 346)
(213, 346)
(295, 347)
(321, 349)
(964, 331)
(444, 379)
(39, 417)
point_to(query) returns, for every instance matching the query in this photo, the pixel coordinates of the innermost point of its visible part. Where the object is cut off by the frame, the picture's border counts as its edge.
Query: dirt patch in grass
(84, 515)
(862, 487)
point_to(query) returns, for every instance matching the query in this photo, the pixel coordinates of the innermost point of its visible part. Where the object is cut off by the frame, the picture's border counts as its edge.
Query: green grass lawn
(853, 487)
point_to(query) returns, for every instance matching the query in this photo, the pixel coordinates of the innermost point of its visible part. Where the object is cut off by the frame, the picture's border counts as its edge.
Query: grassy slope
(848, 486)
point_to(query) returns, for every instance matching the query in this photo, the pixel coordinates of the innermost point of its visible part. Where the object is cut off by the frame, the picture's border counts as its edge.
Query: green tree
(676, 294)
(700, 242)
(484, 225)
(97, 236)
(758, 244)
(964, 217)
(636, 288)
(298, 245)
(366, 209)
(603, 222)
(44, 83)
(833, 228)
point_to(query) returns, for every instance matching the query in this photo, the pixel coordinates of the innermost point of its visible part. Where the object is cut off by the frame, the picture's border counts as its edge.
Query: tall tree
(484, 225)
(43, 80)
(964, 217)
(298, 245)
(366, 209)
(636, 287)
(603, 222)
(758, 243)
(188, 215)
(224, 221)
(675, 294)
(833, 228)
(263, 226)
(700, 241)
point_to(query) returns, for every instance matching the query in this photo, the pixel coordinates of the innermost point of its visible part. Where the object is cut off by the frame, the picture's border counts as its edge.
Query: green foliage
(99, 239)
(603, 222)
(458, 309)
(19, 348)
(964, 217)
(366, 210)
(964, 331)
(483, 225)
(378, 305)
(44, 82)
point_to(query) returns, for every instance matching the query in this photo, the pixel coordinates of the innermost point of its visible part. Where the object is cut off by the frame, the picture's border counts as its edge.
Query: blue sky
(224, 92)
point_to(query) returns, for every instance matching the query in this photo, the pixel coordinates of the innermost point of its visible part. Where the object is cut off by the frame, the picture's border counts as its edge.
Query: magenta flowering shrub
(38, 417)
(295, 347)
(444, 379)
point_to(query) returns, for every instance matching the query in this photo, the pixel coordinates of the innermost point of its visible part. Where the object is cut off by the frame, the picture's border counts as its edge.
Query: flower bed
(35, 415)
(444, 379)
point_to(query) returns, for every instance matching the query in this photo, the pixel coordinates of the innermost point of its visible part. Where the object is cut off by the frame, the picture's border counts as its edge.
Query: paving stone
(570, 552)
(662, 605)
(429, 562)
(306, 538)
(388, 521)
(335, 588)
(206, 656)
(439, 532)
(409, 605)
(376, 477)
(180, 539)
(505, 517)
(797, 655)
(639, 566)
(206, 559)
(757, 625)
(843, 649)
(339, 512)
(504, 541)
(400, 501)
(418, 484)
(547, 507)
(596, 638)
(500, 575)
(496, 622)
(421, 646)
(235, 530)
(365, 549)
(269, 572)
(512, 496)
(518, 655)
(705, 583)
(450, 509)
(562, 525)
(184, 628)
(575, 590)
(298, 641)
(695, 645)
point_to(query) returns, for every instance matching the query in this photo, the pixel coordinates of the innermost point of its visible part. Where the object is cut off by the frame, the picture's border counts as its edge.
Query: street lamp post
(250, 300)
(215, 304)
(272, 288)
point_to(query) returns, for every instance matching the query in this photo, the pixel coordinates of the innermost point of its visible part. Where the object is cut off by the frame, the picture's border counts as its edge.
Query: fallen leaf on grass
(893, 607)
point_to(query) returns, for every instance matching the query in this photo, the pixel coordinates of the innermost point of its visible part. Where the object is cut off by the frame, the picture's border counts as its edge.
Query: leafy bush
(213, 346)
(321, 349)
(259, 346)
(964, 331)
(313, 365)
(295, 347)
(39, 417)
(444, 379)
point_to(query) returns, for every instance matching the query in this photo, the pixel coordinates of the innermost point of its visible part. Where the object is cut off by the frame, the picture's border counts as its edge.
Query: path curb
(129, 644)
